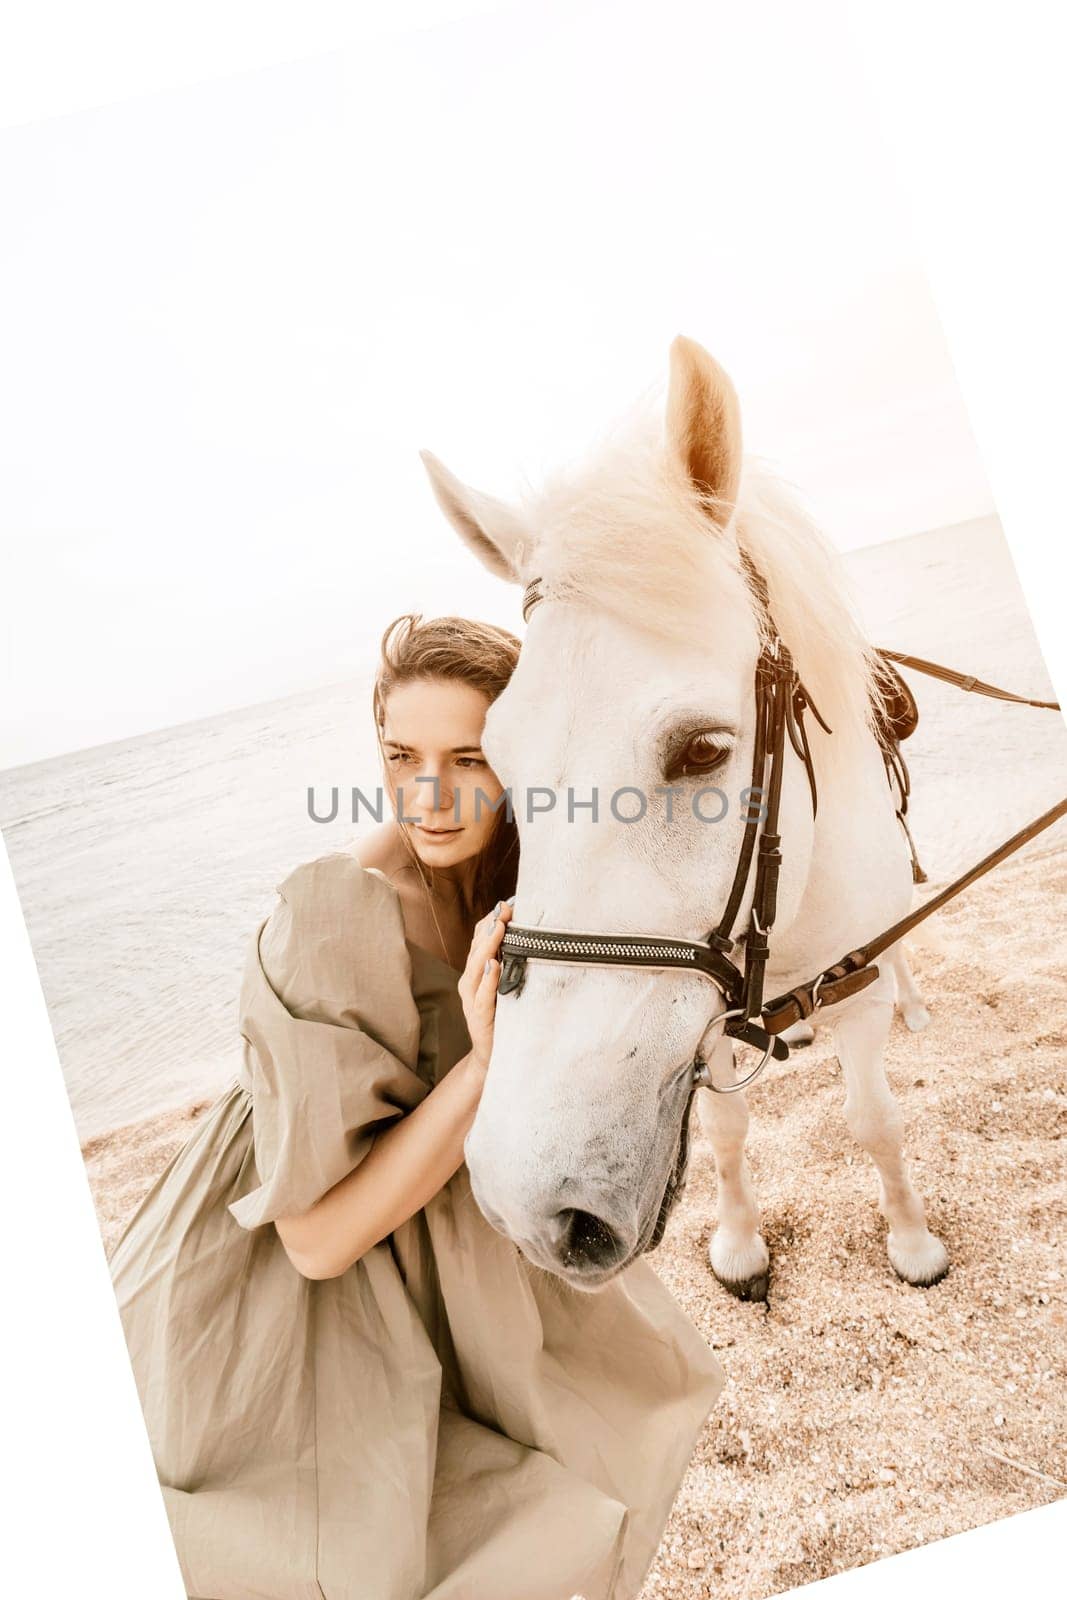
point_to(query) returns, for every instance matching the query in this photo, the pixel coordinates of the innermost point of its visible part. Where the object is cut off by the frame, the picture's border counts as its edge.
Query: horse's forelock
(623, 529)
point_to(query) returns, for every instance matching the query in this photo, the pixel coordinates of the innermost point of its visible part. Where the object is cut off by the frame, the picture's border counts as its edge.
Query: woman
(355, 1388)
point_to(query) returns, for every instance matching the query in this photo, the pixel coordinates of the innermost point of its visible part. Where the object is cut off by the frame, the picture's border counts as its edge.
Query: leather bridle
(781, 701)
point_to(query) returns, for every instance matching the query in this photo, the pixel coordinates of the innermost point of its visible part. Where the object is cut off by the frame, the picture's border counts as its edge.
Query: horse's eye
(701, 753)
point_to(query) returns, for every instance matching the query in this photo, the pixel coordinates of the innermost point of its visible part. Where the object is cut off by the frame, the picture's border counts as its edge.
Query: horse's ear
(704, 424)
(488, 526)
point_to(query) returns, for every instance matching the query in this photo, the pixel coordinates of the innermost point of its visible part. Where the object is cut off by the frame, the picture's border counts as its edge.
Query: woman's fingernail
(496, 908)
(510, 901)
(488, 964)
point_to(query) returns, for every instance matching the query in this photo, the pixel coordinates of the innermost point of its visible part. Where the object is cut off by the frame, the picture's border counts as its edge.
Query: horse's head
(625, 737)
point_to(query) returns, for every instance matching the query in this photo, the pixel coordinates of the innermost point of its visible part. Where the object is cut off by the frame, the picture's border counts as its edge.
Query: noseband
(781, 702)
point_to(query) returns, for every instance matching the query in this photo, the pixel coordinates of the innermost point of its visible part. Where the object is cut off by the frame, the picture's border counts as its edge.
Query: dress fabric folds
(444, 1421)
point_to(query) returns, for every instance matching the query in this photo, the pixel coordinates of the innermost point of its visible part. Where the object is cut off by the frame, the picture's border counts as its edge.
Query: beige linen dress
(444, 1421)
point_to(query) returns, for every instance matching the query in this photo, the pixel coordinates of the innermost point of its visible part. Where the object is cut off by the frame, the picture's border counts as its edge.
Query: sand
(861, 1416)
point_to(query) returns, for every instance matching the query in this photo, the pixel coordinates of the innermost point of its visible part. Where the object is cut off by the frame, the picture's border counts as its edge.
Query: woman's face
(432, 732)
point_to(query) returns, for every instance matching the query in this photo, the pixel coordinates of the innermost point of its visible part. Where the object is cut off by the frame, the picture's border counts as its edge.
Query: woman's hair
(476, 653)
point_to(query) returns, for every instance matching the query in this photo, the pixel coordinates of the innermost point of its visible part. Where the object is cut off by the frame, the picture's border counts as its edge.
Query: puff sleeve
(330, 1032)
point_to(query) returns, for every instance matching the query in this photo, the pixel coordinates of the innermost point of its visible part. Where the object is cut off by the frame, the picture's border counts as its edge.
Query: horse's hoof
(743, 1271)
(921, 1267)
(916, 1017)
(749, 1288)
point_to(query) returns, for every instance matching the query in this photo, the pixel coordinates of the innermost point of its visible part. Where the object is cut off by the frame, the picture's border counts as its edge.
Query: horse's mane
(626, 530)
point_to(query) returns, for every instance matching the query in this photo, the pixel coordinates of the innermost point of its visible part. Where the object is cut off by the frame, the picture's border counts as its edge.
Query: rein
(781, 702)
(966, 680)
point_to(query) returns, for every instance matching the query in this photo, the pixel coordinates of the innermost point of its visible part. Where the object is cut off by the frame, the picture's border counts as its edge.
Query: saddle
(901, 715)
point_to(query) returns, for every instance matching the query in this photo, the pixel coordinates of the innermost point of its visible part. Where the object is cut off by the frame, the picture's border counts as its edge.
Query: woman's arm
(406, 1165)
(415, 1156)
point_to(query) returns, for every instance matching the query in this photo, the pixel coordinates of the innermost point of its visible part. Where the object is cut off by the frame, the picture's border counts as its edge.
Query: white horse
(636, 674)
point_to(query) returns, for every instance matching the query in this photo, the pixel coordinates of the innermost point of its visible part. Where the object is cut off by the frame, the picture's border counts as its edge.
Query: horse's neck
(859, 879)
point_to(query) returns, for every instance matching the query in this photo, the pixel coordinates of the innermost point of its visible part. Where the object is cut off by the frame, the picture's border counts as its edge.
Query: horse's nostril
(582, 1240)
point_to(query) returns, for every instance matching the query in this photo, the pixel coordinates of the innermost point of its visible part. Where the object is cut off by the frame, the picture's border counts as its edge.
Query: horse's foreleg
(739, 1258)
(874, 1119)
(909, 999)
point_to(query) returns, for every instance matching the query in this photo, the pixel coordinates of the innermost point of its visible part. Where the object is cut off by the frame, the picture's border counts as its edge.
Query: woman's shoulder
(338, 886)
(383, 850)
(347, 871)
(336, 927)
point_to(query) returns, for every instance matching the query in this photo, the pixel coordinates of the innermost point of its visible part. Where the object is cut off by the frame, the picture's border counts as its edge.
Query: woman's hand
(477, 986)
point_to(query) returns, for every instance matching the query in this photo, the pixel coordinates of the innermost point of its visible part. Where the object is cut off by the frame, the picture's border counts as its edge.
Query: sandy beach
(862, 1417)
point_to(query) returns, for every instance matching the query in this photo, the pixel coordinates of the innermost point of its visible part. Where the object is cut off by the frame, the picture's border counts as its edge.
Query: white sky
(231, 314)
